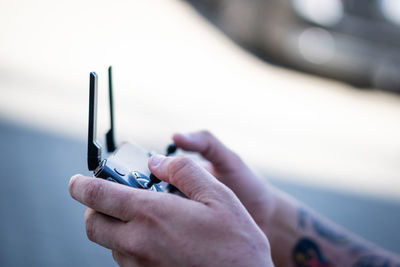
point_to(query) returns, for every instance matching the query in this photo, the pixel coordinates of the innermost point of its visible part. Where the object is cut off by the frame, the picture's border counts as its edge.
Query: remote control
(127, 164)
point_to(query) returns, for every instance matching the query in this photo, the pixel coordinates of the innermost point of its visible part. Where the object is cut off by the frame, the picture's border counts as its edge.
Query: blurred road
(42, 226)
(174, 72)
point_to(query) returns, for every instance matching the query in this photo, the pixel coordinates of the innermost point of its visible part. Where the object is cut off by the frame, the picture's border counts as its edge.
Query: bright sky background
(175, 72)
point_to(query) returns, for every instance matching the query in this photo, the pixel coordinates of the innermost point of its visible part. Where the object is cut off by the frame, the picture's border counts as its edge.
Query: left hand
(258, 196)
(144, 228)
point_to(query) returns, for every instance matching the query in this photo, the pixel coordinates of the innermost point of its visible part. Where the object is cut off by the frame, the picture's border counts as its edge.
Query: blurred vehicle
(355, 41)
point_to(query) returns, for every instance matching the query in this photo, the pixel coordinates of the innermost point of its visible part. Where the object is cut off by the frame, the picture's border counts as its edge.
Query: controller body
(128, 166)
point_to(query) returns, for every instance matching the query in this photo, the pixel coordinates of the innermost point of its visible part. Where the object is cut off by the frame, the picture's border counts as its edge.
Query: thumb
(191, 179)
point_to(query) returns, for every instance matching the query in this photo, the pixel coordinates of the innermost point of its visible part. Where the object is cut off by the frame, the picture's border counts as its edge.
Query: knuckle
(210, 150)
(225, 196)
(150, 219)
(121, 246)
(212, 145)
(93, 192)
(177, 165)
(125, 210)
(207, 134)
(138, 248)
(235, 158)
(90, 227)
(150, 214)
(227, 193)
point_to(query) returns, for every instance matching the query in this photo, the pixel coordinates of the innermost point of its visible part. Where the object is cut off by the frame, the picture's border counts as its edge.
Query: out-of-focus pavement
(174, 72)
(40, 224)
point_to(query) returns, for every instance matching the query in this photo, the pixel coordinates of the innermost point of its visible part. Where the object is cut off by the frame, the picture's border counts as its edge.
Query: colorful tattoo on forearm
(372, 261)
(306, 253)
(321, 229)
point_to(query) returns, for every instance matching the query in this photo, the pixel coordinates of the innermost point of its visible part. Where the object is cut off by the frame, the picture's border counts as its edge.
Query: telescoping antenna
(110, 134)
(94, 149)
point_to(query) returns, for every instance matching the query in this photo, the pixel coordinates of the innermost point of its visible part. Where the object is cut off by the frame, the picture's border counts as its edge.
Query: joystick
(171, 149)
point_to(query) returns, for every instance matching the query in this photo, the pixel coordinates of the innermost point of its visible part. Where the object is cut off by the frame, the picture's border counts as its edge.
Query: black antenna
(110, 134)
(94, 149)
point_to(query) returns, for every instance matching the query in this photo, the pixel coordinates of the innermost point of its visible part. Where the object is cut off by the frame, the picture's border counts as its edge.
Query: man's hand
(146, 228)
(298, 236)
(256, 195)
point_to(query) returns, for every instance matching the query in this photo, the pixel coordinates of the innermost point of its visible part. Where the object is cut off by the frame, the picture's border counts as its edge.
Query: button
(138, 175)
(111, 180)
(119, 171)
(143, 182)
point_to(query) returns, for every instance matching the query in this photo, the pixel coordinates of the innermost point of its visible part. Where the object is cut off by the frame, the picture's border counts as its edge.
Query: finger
(209, 167)
(209, 147)
(113, 199)
(104, 230)
(191, 179)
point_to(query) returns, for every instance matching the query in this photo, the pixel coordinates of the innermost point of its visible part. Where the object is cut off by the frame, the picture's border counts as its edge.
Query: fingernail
(156, 160)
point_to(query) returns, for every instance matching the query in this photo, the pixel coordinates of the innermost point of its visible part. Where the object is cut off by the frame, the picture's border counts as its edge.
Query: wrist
(281, 227)
(266, 210)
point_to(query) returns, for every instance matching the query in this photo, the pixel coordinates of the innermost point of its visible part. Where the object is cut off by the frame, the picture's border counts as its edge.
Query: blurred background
(306, 91)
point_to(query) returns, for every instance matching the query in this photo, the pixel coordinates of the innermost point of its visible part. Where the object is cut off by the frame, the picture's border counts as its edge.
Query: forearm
(301, 237)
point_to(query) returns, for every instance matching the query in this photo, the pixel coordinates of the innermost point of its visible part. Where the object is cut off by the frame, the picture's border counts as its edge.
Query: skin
(144, 228)
(298, 235)
(213, 226)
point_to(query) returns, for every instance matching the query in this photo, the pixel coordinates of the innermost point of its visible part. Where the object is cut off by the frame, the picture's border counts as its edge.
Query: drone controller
(134, 174)
(126, 165)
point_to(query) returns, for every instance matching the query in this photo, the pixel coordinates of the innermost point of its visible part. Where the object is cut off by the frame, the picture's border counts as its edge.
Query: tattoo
(327, 233)
(358, 248)
(302, 218)
(306, 253)
(372, 261)
(321, 229)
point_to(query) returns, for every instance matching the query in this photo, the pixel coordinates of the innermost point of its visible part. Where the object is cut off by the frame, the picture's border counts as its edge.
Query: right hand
(256, 195)
(144, 228)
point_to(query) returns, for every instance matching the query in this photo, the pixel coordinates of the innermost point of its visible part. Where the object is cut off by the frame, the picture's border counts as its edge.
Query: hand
(257, 196)
(298, 235)
(145, 228)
